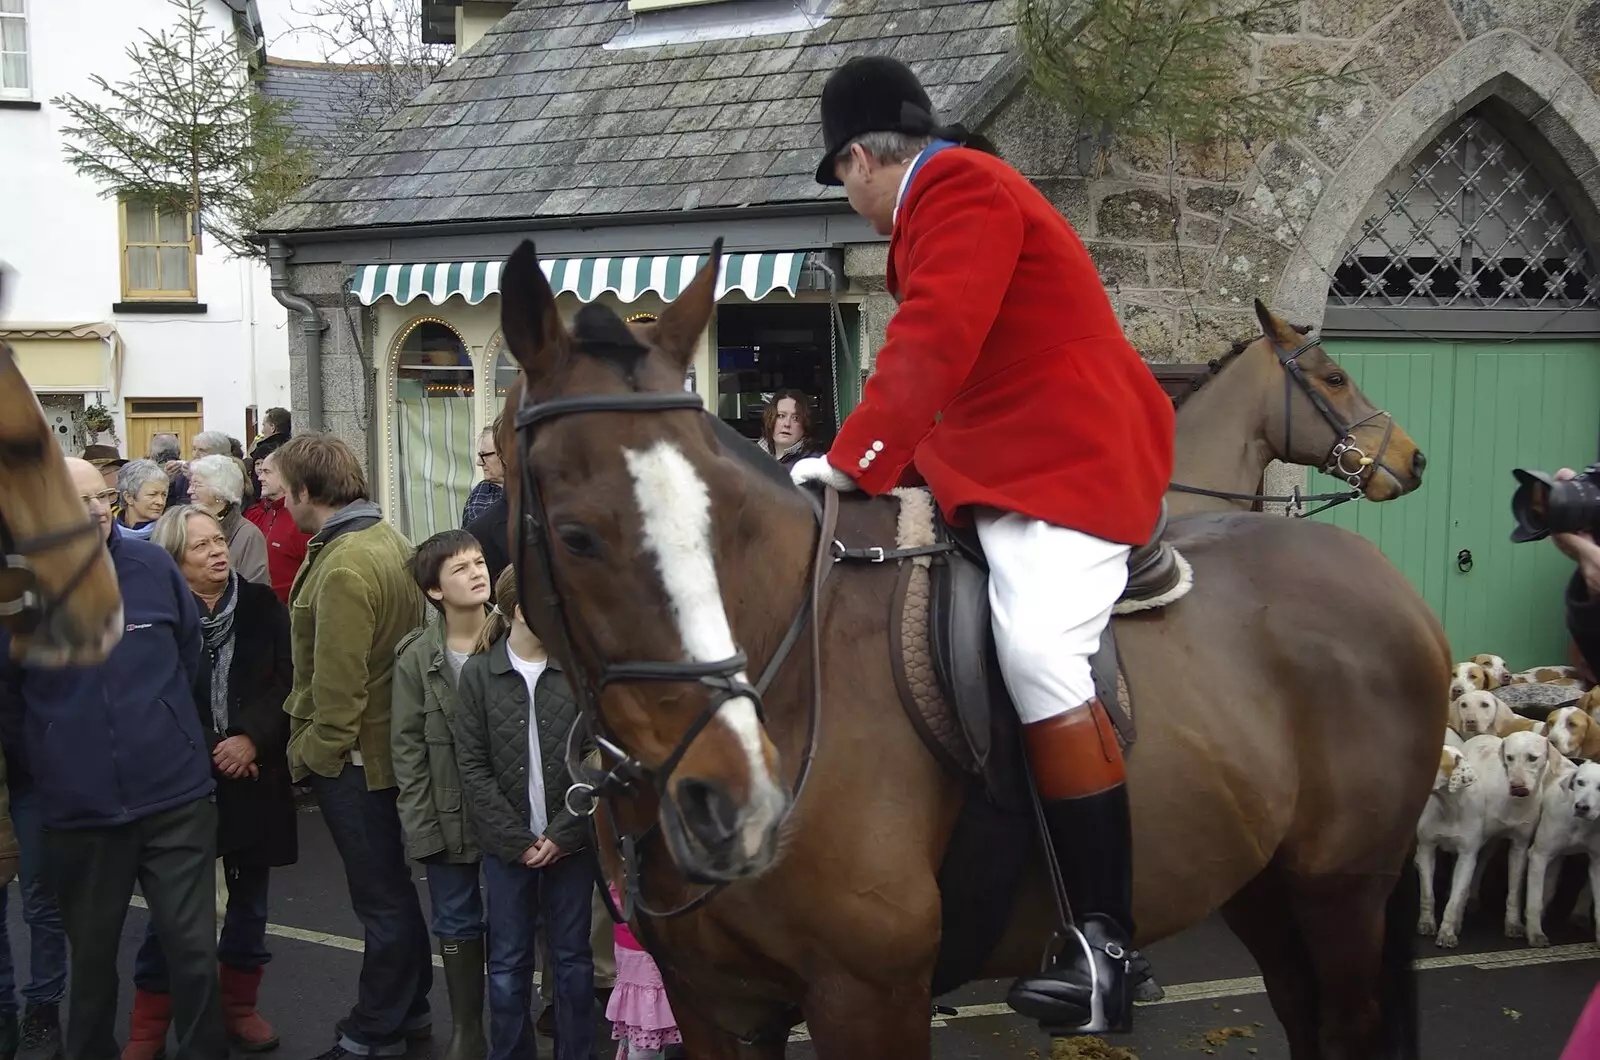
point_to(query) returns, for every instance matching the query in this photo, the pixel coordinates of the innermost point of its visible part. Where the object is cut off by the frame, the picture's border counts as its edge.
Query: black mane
(1238, 347)
(603, 335)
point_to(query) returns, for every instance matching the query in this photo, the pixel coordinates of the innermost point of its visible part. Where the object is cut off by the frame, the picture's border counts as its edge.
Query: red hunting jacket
(286, 543)
(1005, 380)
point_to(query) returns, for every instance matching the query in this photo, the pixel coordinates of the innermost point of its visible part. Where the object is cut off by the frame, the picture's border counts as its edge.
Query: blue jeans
(243, 945)
(397, 964)
(518, 898)
(457, 902)
(47, 939)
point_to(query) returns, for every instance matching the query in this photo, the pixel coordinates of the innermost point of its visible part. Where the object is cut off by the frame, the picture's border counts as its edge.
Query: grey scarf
(217, 629)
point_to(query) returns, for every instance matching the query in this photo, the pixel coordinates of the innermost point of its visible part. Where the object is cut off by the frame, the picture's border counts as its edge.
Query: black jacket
(491, 529)
(256, 818)
(1583, 620)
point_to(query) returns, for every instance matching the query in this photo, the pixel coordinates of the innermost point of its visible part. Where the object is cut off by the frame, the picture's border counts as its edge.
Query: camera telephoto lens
(1542, 506)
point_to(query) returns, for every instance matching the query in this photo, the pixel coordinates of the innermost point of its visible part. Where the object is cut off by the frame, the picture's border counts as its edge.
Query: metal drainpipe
(311, 325)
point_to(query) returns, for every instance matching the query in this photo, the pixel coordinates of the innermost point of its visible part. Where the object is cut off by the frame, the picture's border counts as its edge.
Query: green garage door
(1478, 410)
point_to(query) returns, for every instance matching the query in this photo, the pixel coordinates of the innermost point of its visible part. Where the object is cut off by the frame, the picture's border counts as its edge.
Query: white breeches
(1051, 591)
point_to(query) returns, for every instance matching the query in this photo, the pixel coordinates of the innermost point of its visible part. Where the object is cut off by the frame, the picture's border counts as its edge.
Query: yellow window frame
(133, 294)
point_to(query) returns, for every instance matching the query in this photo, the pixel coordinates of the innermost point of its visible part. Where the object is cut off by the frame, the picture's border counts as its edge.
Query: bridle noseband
(25, 604)
(724, 678)
(1345, 458)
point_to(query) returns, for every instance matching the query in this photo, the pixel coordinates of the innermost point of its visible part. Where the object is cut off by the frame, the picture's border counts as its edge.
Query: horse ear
(1275, 328)
(681, 324)
(528, 318)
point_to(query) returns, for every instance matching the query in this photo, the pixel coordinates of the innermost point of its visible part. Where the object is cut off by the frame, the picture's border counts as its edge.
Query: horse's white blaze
(676, 509)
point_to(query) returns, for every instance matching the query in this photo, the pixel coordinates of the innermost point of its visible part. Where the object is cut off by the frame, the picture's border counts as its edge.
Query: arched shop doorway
(1468, 304)
(433, 428)
(767, 347)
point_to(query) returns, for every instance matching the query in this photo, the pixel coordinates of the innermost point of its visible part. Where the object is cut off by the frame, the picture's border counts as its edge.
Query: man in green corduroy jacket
(350, 605)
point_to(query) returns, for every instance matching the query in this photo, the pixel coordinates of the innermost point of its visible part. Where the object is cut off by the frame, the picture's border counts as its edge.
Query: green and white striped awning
(757, 275)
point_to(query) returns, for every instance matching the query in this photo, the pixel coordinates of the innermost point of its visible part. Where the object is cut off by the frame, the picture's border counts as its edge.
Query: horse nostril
(1419, 463)
(709, 811)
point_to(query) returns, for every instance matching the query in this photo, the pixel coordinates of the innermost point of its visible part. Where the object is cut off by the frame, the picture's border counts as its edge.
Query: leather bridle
(25, 604)
(1345, 458)
(724, 678)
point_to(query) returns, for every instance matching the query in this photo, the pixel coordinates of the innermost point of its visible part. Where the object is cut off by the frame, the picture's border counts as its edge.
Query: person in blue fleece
(125, 791)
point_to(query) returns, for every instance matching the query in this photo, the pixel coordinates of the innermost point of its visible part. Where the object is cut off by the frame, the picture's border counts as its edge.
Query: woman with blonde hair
(247, 674)
(216, 486)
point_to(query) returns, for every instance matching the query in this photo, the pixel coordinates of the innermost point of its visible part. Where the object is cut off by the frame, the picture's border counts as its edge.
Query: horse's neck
(1221, 443)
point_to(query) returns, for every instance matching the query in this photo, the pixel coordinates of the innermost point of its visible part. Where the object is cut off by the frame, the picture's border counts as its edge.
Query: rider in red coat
(1007, 386)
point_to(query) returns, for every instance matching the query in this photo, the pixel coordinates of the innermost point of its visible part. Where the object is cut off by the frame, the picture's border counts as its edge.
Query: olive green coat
(349, 607)
(425, 705)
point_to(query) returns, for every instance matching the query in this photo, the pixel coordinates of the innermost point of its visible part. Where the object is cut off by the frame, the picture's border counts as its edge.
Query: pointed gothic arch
(1538, 107)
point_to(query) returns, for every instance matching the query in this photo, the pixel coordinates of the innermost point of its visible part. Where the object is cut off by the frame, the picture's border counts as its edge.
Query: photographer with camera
(1583, 592)
(1566, 508)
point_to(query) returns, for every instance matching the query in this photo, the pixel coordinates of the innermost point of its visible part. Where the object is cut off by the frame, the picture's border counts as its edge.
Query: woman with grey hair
(247, 674)
(212, 443)
(142, 491)
(216, 487)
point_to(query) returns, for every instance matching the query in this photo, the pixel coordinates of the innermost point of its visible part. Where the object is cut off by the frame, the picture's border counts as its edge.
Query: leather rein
(25, 604)
(724, 678)
(1345, 458)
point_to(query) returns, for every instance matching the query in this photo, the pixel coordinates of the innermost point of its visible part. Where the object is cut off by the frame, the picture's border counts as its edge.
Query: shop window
(765, 348)
(505, 373)
(434, 430)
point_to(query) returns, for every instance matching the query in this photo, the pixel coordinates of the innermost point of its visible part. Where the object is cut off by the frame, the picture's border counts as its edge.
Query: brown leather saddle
(944, 656)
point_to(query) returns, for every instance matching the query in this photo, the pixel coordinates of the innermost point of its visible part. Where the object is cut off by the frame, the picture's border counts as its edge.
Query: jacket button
(877, 447)
(864, 463)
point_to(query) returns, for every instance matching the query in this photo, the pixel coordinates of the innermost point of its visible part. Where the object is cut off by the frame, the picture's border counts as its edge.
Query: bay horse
(58, 592)
(1290, 708)
(1261, 409)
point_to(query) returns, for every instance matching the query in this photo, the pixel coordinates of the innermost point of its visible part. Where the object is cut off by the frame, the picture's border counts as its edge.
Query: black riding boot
(1078, 768)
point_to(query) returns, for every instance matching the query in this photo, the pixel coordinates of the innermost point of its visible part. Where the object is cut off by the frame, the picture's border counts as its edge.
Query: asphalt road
(1491, 998)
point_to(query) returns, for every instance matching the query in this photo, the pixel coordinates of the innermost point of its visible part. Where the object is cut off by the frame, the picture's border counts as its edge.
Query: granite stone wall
(1186, 240)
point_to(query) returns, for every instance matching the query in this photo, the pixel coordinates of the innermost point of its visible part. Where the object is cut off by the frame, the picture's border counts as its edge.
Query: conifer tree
(189, 131)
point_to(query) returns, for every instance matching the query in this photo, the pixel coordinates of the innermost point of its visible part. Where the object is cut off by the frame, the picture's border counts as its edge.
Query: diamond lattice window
(1470, 224)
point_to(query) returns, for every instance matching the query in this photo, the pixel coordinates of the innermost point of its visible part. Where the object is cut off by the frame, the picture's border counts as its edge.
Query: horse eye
(578, 540)
(1336, 379)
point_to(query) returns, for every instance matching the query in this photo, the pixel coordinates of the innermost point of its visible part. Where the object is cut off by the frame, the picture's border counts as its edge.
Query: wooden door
(1479, 409)
(147, 417)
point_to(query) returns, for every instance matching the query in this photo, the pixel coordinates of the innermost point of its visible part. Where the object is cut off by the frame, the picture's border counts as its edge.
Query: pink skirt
(638, 1009)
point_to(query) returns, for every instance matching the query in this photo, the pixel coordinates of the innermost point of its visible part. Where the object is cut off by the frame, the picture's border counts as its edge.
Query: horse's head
(1320, 418)
(625, 506)
(58, 592)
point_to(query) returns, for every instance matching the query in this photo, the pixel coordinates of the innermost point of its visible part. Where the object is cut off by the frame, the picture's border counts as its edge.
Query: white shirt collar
(905, 183)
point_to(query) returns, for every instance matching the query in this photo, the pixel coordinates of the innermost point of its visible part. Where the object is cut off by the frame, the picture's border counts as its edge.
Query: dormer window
(663, 22)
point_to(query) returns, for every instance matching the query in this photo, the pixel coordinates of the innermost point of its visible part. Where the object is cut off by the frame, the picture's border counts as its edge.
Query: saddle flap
(963, 656)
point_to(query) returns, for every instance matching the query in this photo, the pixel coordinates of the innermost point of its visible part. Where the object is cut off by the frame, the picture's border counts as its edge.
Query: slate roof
(319, 95)
(538, 120)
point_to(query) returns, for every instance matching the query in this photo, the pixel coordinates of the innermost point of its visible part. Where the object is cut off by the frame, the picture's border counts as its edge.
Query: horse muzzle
(714, 837)
(60, 642)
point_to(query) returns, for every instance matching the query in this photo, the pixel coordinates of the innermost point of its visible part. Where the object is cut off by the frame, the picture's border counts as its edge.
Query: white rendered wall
(60, 239)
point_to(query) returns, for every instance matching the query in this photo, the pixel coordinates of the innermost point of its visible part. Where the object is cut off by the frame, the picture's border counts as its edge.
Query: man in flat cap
(1006, 385)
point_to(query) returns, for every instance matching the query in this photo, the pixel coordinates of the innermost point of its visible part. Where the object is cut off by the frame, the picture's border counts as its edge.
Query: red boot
(247, 1029)
(147, 1026)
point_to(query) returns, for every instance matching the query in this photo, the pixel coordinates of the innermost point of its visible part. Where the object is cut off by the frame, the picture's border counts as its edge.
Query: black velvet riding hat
(875, 93)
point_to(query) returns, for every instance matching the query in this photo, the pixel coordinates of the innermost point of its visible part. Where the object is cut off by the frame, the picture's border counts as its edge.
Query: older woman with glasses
(216, 486)
(246, 676)
(492, 486)
(143, 486)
